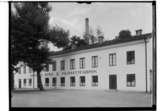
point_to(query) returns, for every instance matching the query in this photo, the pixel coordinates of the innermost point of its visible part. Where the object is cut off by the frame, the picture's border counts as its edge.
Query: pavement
(80, 98)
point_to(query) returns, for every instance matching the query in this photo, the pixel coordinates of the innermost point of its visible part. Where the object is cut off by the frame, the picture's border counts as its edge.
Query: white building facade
(114, 65)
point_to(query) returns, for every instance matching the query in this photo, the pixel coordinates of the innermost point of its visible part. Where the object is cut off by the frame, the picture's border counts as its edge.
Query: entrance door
(112, 81)
(19, 83)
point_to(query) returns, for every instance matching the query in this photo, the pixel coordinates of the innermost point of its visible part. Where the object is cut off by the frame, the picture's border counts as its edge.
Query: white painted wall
(103, 70)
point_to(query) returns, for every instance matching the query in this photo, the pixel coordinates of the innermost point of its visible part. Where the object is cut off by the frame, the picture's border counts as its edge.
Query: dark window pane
(130, 57)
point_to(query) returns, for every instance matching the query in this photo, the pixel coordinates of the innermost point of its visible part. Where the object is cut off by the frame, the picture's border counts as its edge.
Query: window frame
(127, 59)
(46, 84)
(62, 84)
(54, 83)
(94, 61)
(131, 82)
(82, 83)
(72, 64)
(54, 66)
(82, 63)
(30, 82)
(62, 65)
(95, 83)
(24, 82)
(72, 83)
(24, 69)
(111, 59)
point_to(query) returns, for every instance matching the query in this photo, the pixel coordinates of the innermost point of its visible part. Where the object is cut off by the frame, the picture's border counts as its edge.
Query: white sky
(111, 17)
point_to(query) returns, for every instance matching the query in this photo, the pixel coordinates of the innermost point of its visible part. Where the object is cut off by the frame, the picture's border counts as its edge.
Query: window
(131, 81)
(54, 81)
(62, 81)
(47, 82)
(19, 70)
(82, 63)
(24, 67)
(62, 65)
(94, 61)
(30, 70)
(30, 82)
(25, 82)
(54, 66)
(112, 59)
(72, 81)
(82, 80)
(94, 80)
(131, 57)
(72, 63)
(47, 67)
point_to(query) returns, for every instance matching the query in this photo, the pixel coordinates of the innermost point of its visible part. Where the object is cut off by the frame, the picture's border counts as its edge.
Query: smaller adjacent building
(116, 64)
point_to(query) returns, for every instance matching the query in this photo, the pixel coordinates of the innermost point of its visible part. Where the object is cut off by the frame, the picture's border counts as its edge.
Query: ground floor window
(72, 81)
(94, 80)
(47, 82)
(54, 81)
(131, 81)
(30, 82)
(82, 80)
(62, 79)
(25, 82)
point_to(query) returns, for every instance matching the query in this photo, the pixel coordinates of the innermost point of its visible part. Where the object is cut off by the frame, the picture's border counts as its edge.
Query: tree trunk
(39, 82)
(11, 78)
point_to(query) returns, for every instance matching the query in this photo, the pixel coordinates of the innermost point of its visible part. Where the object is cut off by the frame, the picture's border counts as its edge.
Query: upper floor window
(94, 61)
(24, 68)
(19, 70)
(72, 63)
(62, 63)
(131, 57)
(30, 70)
(94, 80)
(112, 59)
(47, 67)
(54, 66)
(131, 81)
(82, 63)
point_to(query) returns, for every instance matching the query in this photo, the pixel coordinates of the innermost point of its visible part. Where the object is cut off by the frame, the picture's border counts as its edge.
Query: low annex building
(116, 64)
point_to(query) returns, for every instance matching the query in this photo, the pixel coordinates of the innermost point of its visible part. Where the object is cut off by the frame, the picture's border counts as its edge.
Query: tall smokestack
(87, 26)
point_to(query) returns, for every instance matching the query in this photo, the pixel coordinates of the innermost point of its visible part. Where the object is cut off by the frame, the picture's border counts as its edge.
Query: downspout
(145, 42)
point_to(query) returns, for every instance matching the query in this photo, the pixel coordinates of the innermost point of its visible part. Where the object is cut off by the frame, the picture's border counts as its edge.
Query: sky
(110, 17)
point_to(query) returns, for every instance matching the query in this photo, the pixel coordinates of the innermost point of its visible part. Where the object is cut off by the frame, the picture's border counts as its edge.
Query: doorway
(112, 81)
(19, 83)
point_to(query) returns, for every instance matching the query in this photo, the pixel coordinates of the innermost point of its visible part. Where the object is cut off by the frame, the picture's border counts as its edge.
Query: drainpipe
(145, 42)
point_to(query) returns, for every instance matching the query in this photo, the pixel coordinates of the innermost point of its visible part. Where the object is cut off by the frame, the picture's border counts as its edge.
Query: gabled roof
(105, 43)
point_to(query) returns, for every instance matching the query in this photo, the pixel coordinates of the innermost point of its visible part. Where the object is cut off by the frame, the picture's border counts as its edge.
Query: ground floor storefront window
(62, 79)
(54, 81)
(94, 80)
(82, 81)
(72, 81)
(46, 82)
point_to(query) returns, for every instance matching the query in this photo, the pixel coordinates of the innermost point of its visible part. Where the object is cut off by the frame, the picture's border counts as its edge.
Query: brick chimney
(139, 32)
(86, 26)
(87, 32)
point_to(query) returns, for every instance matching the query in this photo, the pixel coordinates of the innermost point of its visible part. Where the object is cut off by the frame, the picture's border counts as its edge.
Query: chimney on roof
(139, 32)
(87, 26)
(100, 39)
